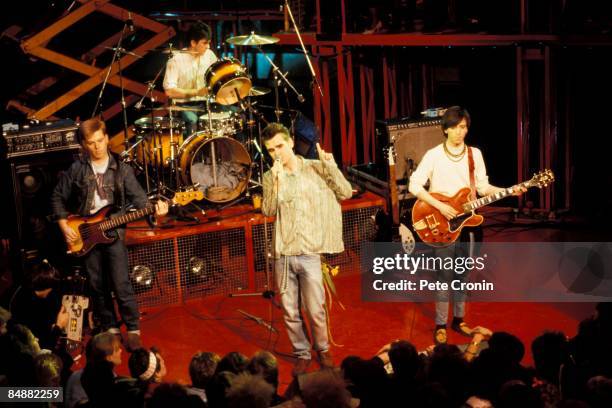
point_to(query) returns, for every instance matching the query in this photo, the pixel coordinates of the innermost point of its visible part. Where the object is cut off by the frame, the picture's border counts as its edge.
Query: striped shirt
(307, 209)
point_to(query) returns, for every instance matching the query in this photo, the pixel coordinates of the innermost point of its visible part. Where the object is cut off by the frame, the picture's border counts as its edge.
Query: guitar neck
(491, 198)
(126, 218)
(394, 195)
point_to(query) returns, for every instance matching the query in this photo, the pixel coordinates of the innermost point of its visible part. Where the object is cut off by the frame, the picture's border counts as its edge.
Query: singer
(304, 195)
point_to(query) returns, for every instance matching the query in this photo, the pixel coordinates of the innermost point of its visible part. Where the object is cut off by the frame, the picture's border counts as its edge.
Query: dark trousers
(107, 270)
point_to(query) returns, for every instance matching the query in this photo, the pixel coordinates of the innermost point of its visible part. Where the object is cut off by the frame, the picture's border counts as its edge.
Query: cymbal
(252, 39)
(259, 91)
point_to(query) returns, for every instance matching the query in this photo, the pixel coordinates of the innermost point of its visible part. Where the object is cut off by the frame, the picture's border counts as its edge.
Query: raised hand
(324, 156)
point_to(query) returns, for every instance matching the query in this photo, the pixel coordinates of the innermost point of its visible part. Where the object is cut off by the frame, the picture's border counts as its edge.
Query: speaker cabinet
(34, 178)
(410, 138)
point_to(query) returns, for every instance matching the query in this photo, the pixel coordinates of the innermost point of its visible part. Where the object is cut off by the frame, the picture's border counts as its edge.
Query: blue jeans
(300, 283)
(107, 269)
(448, 275)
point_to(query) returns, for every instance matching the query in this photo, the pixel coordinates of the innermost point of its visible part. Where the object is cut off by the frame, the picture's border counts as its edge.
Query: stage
(184, 313)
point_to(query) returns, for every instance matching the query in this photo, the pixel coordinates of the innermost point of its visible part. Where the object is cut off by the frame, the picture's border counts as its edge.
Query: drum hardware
(252, 39)
(179, 108)
(279, 74)
(124, 51)
(259, 91)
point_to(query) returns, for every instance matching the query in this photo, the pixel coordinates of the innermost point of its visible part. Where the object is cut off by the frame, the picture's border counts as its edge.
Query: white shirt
(187, 71)
(98, 202)
(446, 176)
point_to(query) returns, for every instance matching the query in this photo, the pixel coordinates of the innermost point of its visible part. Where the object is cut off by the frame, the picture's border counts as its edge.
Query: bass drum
(220, 165)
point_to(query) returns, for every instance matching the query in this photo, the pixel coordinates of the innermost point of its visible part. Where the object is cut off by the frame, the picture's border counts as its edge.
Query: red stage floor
(214, 324)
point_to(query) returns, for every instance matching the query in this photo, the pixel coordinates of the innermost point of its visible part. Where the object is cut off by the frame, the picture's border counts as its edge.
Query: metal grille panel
(218, 262)
(357, 226)
(213, 263)
(158, 258)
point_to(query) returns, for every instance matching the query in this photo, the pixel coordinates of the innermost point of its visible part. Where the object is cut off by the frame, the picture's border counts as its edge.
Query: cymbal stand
(279, 74)
(149, 93)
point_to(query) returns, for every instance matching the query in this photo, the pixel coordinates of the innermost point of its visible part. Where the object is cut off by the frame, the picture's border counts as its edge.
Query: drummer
(184, 81)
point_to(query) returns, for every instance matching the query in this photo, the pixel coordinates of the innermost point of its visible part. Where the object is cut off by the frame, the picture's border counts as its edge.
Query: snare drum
(220, 123)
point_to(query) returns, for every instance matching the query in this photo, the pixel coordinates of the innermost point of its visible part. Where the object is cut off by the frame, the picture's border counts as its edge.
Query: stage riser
(232, 260)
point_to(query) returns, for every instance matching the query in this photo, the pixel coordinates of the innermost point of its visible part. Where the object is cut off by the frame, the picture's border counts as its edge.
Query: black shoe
(462, 328)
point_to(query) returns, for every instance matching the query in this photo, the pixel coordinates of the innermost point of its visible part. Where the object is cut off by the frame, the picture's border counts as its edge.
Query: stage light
(197, 268)
(142, 278)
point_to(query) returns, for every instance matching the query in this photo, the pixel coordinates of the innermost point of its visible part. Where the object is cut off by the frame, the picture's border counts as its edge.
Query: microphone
(138, 105)
(301, 98)
(130, 22)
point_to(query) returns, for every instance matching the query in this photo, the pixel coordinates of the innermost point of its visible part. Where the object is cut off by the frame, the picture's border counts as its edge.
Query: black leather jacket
(74, 192)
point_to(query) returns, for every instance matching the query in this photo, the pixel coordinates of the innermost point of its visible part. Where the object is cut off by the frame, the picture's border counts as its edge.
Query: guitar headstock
(542, 179)
(185, 197)
(389, 152)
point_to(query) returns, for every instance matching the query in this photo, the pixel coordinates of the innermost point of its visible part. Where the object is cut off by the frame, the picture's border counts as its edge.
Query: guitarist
(98, 179)
(449, 167)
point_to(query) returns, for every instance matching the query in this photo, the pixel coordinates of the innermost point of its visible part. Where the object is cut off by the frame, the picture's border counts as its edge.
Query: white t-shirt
(446, 176)
(187, 71)
(98, 202)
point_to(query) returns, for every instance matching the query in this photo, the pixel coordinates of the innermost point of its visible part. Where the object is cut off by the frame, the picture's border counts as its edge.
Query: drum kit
(221, 155)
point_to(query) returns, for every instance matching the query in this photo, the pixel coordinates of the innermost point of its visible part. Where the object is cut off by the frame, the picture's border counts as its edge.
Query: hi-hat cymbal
(259, 91)
(252, 39)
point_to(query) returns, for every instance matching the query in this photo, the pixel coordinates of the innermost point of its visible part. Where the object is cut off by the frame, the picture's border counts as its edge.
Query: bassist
(92, 182)
(449, 167)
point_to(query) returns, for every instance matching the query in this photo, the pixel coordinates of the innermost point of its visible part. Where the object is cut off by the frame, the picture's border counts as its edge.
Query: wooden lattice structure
(36, 45)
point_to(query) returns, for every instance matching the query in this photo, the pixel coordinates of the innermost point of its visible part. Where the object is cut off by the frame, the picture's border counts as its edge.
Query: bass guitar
(433, 227)
(93, 229)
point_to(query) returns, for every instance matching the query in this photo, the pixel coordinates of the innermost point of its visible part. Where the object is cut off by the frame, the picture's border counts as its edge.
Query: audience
(201, 370)
(567, 373)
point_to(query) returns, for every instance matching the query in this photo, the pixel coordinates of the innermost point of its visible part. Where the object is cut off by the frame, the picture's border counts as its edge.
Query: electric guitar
(394, 229)
(92, 229)
(433, 227)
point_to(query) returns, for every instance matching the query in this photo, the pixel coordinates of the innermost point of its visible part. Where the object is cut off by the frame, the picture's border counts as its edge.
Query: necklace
(452, 156)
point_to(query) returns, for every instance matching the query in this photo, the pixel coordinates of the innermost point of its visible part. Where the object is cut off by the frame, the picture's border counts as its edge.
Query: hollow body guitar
(94, 229)
(433, 227)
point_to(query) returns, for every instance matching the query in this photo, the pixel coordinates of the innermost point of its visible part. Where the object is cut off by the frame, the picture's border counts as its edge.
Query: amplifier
(411, 139)
(47, 137)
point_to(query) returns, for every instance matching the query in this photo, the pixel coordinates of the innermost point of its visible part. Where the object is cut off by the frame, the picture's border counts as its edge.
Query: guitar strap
(472, 179)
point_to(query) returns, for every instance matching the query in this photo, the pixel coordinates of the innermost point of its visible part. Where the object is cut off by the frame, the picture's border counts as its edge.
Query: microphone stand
(118, 49)
(267, 293)
(299, 36)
